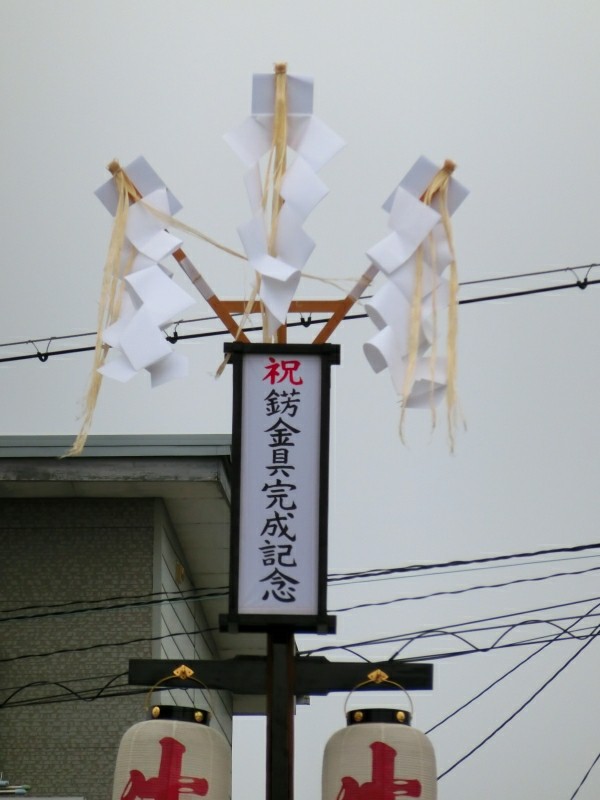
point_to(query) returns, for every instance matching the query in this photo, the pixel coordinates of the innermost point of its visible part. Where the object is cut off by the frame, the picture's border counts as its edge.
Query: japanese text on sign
(280, 485)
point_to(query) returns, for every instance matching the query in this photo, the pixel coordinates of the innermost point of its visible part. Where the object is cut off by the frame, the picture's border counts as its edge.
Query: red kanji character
(383, 785)
(169, 783)
(280, 371)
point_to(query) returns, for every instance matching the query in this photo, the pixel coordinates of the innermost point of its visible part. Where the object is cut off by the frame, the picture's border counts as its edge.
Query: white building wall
(181, 626)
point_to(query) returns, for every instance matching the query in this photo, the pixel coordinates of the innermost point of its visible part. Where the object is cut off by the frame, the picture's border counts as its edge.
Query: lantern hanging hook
(183, 672)
(378, 676)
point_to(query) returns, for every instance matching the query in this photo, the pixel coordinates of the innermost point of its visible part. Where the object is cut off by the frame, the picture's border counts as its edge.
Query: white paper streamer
(417, 236)
(301, 189)
(151, 299)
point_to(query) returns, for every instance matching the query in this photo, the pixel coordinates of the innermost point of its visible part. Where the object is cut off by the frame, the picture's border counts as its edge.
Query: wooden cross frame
(337, 308)
(225, 309)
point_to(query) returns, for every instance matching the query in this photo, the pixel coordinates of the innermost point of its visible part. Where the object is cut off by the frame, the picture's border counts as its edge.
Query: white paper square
(389, 253)
(315, 142)
(118, 368)
(277, 296)
(302, 188)
(249, 141)
(253, 235)
(411, 219)
(144, 178)
(418, 178)
(299, 94)
(163, 299)
(142, 342)
(293, 245)
(387, 305)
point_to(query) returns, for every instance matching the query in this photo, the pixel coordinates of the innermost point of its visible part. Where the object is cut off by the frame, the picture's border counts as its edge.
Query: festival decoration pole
(280, 440)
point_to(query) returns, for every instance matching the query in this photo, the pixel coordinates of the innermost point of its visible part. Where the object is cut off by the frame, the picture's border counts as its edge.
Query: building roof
(191, 474)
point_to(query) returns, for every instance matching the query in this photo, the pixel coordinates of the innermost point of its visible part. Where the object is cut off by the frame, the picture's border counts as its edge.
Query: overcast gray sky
(510, 92)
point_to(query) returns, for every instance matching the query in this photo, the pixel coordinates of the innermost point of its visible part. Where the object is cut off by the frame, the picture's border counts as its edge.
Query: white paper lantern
(378, 756)
(173, 754)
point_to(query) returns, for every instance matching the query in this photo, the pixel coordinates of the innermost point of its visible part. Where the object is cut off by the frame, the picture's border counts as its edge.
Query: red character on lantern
(383, 785)
(169, 783)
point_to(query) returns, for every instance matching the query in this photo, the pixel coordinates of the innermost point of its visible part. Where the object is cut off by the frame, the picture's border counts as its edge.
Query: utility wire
(435, 574)
(70, 679)
(221, 594)
(77, 695)
(518, 710)
(71, 696)
(213, 317)
(337, 576)
(454, 628)
(508, 672)
(44, 356)
(117, 606)
(202, 593)
(446, 631)
(448, 592)
(452, 654)
(347, 648)
(167, 596)
(102, 692)
(588, 267)
(585, 777)
(100, 645)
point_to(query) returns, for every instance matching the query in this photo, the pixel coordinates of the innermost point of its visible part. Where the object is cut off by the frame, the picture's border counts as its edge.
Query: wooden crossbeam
(296, 306)
(314, 675)
(337, 308)
(346, 304)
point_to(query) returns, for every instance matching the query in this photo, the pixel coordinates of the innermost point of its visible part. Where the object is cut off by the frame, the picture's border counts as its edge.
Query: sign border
(320, 622)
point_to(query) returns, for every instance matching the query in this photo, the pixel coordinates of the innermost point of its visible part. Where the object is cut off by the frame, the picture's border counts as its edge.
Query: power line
(434, 574)
(44, 356)
(553, 271)
(494, 618)
(103, 693)
(447, 630)
(72, 696)
(121, 602)
(585, 777)
(337, 576)
(213, 317)
(465, 590)
(119, 606)
(458, 629)
(73, 692)
(100, 645)
(181, 593)
(494, 683)
(428, 633)
(518, 710)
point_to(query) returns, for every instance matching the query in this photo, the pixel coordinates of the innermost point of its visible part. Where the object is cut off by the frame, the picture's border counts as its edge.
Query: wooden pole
(345, 305)
(280, 714)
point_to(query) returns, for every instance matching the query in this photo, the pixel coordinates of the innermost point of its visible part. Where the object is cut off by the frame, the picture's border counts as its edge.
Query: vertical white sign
(279, 484)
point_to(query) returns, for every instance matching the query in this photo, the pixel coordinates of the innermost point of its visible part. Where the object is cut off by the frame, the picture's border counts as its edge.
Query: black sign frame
(320, 622)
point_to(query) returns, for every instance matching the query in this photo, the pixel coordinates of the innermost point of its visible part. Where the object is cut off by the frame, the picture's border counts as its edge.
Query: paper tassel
(437, 190)
(274, 241)
(413, 257)
(108, 305)
(138, 297)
